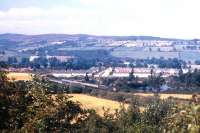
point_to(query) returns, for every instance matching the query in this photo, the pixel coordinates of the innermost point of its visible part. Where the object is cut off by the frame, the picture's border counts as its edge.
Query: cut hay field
(90, 102)
(165, 96)
(19, 76)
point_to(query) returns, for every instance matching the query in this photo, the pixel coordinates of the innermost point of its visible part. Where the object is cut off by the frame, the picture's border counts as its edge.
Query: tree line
(86, 63)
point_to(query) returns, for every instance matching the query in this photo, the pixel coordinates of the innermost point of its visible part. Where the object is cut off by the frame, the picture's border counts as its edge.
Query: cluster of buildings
(156, 45)
(75, 73)
(142, 43)
(60, 58)
(120, 72)
(140, 72)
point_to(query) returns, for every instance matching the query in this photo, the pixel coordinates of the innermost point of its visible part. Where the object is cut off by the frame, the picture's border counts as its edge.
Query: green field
(186, 55)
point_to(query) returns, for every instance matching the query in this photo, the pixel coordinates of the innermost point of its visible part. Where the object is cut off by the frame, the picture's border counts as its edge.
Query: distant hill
(54, 37)
(92, 46)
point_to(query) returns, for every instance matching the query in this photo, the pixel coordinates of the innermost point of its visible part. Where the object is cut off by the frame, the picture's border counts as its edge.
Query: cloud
(172, 18)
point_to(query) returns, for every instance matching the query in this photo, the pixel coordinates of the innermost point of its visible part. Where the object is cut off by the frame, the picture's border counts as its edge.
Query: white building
(60, 58)
(32, 58)
(139, 72)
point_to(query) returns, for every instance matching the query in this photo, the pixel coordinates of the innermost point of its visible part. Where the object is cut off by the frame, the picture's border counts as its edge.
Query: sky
(163, 18)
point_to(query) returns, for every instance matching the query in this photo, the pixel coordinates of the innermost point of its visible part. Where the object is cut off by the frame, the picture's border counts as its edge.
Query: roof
(144, 70)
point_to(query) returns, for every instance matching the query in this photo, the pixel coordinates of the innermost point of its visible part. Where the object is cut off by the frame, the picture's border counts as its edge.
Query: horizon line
(99, 35)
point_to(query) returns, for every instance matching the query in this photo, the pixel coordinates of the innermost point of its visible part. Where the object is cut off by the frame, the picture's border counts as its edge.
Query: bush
(74, 89)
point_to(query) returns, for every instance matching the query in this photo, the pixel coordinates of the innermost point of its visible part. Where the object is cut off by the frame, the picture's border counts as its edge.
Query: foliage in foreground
(29, 107)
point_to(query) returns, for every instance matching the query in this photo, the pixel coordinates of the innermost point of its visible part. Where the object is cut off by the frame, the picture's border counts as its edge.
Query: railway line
(78, 83)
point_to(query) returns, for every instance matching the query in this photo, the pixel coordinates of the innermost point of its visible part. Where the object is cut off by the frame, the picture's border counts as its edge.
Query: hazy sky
(165, 18)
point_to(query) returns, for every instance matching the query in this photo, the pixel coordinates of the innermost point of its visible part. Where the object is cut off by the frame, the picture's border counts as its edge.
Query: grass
(90, 102)
(19, 76)
(165, 96)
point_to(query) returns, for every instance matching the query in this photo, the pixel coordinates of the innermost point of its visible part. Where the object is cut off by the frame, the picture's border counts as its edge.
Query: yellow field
(165, 96)
(90, 102)
(19, 76)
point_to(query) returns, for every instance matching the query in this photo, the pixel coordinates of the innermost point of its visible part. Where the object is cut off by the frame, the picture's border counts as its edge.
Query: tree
(25, 62)
(150, 49)
(13, 102)
(131, 74)
(87, 77)
(28, 107)
(3, 64)
(54, 62)
(180, 72)
(197, 62)
(2, 53)
(12, 60)
(174, 49)
(155, 81)
(40, 62)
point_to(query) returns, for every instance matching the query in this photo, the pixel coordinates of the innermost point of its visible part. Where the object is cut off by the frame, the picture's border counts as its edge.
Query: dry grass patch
(19, 76)
(90, 102)
(165, 96)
